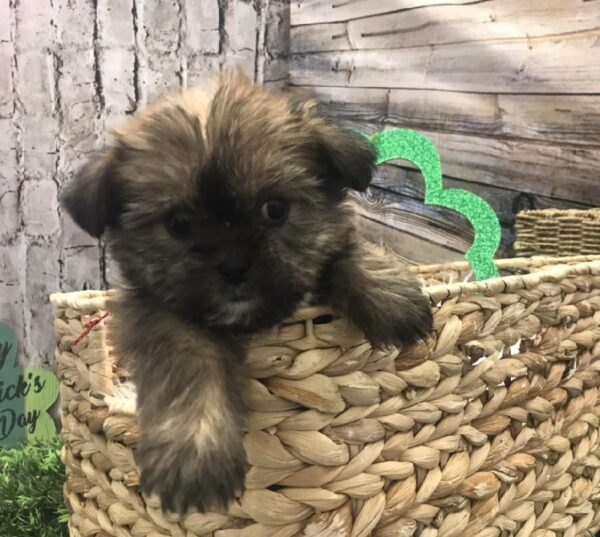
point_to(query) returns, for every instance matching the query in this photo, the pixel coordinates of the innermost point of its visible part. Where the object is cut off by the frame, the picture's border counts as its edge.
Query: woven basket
(490, 429)
(557, 232)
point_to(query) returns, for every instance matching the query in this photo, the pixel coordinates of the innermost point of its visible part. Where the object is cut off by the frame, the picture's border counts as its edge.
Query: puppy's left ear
(348, 156)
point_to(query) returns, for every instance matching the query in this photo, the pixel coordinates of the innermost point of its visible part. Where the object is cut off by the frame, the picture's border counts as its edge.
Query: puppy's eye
(275, 211)
(179, 224)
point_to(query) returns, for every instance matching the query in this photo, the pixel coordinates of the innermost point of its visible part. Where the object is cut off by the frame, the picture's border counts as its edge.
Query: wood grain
(444, 227)
(449, 24)
(414, 250)
(314, 11)
(408, 183)
(507, 90)
(398, 217)
(537, 65)
(553, 171)
(563, 119)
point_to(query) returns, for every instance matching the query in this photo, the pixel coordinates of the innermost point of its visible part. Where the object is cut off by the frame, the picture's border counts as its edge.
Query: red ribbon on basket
(88, 327)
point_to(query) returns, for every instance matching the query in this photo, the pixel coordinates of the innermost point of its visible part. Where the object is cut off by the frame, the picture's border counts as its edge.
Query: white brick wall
(68, 70)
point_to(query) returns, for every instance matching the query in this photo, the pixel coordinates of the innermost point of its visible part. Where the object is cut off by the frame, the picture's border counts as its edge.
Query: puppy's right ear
(91, 198)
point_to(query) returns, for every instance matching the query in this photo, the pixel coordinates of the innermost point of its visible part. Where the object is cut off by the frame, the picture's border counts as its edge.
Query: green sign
(26, 394)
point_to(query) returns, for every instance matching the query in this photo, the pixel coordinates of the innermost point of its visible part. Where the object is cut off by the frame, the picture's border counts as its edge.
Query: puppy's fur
(191, 291)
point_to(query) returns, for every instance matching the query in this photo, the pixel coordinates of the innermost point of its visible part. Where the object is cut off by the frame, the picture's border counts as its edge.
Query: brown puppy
(224, 210)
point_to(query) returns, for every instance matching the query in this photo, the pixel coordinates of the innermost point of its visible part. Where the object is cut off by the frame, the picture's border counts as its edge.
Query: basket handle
(405, 144)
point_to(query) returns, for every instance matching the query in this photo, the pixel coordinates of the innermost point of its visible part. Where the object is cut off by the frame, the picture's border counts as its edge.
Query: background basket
(491, 428)
(557, 232)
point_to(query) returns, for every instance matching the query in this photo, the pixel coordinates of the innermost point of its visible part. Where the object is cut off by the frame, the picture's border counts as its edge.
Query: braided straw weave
(490, 428)
(558, 232)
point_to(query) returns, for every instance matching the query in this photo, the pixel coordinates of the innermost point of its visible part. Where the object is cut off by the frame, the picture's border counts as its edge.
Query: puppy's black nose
(234, 271)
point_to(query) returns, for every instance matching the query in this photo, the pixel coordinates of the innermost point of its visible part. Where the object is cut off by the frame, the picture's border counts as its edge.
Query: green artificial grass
(31, 482)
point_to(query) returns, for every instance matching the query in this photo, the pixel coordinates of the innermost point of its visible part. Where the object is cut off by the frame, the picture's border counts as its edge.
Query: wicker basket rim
(554, 269)
(584, 213)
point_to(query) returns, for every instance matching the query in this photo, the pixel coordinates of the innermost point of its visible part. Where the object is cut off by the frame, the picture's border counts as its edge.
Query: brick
(75, 22)
(35, 80)
(6, 82)
(71, 162)
(12, 263)
(276, 70)
(34, 25)
(42, 277)
(162, 75)
(79, 131)
(5, 20)
(39, 133)
(200, 69)
(81, 269)
(202, 26)
(115, 18)
(38, 166)
(161, 22)
(240, 26)
(9, 197)
(7, 135)
(242, 59)
(118, 83)
(8, 170)
(277, 31)
(76, 83)
(9, 214)
(78, 100)
(40, 208)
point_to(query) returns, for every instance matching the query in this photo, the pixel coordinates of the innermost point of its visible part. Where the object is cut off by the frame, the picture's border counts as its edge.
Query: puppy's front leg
(190, 408)
(377, 295)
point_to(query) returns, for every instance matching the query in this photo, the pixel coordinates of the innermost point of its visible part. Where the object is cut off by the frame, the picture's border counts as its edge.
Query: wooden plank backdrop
(509, 91)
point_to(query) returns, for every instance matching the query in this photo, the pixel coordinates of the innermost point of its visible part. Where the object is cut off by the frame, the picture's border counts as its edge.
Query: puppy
(225, 209)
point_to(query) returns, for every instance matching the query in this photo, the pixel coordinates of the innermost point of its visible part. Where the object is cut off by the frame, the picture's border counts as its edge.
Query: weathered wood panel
(537, 65)
(406, 182)
(412, 249)
(396, 202)
(562, 172)
(509, 92)
(446, 24)
(561, 119)
(445, 228)
(316, 11)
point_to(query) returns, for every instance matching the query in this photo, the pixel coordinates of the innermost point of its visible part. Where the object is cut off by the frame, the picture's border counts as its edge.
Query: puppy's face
(227, 207)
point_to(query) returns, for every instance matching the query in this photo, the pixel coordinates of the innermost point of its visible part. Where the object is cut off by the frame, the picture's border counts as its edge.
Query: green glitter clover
(404, 144)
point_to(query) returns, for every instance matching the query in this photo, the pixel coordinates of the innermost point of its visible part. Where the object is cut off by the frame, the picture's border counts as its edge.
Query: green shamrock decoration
(404, 144)
(26, 394)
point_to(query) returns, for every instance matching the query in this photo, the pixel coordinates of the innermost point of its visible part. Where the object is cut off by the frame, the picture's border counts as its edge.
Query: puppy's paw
(189, 474)
(397, 316)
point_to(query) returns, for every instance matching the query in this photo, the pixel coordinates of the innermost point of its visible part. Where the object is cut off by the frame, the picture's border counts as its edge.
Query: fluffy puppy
(224, 209)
